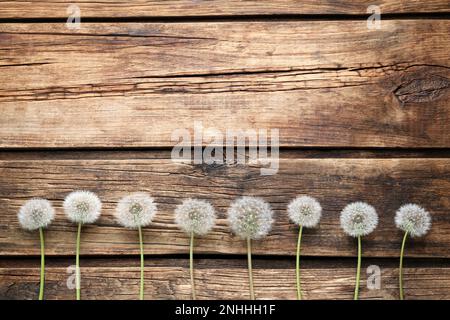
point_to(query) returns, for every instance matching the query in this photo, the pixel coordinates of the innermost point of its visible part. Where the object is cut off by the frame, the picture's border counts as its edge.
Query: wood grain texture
(172, 8)
(385, 183)
(321, 83)
(222, 279)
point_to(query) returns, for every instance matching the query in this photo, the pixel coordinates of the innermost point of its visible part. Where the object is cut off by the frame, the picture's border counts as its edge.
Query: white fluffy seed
(413, 219)
(135, 210)
(197, 216)
(82, 207)
(305, 211)
(35, 214)
(250, 217)
(359, 219)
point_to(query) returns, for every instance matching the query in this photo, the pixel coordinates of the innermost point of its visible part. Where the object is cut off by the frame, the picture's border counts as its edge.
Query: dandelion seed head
(197, 216)
(35, 214)
(135, 210)
(82, 207)
(250, 217)
(359, 219)
(305, 211)
(413, 219)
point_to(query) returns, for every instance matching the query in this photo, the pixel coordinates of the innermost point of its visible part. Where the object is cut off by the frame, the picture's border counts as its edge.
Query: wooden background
(363, 115)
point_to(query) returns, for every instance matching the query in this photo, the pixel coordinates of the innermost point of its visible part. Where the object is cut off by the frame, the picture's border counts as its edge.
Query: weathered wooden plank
(321, 83)
(385, 183)
(222, 279)
(114, 8)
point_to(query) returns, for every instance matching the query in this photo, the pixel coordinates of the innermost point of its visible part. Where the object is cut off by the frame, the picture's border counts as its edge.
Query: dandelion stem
(191, 265)
(401, 266)
(141, 246)
(77, 264)
(297, 264)
(250, 269)
(358, 270)
(41, 285)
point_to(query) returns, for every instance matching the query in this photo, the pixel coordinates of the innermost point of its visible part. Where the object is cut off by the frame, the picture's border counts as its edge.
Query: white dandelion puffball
(195, 216)
(82, 207)
(135, 210)
(413, 219)
(35, 214)
(250, 217)
(359, 219)
(305, 211)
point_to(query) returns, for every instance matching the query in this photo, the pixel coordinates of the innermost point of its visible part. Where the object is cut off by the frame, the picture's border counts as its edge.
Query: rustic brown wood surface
(221, 279)
(362, 114)
(385, 183)
(170, 8)
(321, 83)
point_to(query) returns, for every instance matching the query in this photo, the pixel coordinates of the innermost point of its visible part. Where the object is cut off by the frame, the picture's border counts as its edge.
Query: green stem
(77, 264)
(297, 264)
(41, 286)
(191, 266)
(358, 270)
(401, 266)
(250, 269)
(141, 246)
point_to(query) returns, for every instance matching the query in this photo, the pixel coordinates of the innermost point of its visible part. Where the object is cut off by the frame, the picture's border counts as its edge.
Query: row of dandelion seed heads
(249, 217)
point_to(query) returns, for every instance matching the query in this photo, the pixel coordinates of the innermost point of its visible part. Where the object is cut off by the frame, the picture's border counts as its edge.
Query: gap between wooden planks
(384, 183)
(321, 83)
(221, 279)
(173, 8)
